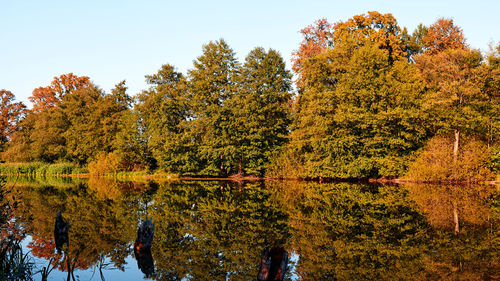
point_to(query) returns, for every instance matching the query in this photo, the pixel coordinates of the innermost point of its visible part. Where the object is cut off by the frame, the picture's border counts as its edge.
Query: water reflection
(273, 264)
(142, 247)
(216, 231)
(61, 229)
(14, 263)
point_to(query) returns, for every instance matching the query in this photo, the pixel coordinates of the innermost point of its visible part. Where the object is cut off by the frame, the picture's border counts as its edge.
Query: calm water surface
(209, 230)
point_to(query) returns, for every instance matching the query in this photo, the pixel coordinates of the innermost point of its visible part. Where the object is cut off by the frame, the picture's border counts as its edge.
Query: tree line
(370, 98)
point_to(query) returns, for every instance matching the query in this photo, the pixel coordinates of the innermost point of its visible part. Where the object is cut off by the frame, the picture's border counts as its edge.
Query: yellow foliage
(106, 163)
(285, 165)
(435, 162)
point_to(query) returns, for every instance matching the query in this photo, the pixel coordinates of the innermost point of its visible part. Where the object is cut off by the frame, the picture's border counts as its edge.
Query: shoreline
(255, 178)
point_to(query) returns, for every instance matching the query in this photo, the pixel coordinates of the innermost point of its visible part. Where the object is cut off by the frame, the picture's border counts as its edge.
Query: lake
(217, 230)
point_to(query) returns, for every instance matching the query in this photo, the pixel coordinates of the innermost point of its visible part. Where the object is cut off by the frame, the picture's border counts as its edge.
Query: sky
(111, 40)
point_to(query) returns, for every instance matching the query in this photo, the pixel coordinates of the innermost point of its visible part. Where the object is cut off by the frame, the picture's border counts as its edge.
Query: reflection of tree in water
(358, 232)
(14, 263)
(465, 237)
(449, 207)
(205, 232)
(100, 226)
(352, 231)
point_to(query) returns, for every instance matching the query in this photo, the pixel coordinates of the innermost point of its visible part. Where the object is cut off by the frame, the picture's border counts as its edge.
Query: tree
(40, 135)
(357, 115)
(44, 130)
(11, 113)
(130, 144)
(414, 44)
(453, 93)
(490, 85)
(344, 37)
(317, 38)
(212, 84)
(50, 96)
(261, 109)
(93, 120)
(380, 29)
(164, 114)
(442, 35)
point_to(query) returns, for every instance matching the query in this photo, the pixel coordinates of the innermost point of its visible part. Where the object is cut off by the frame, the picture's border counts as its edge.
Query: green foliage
(130, 144)
(260, 110)
(212, 84)
(93, 120)
(164, 113)
(414, 44)
(40, 169)
(362, 122)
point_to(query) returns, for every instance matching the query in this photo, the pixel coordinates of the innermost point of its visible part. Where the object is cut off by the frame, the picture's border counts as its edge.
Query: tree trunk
(455, 146)
(455, 218)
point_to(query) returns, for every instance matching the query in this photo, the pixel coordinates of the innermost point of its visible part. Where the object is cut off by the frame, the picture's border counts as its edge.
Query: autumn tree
(50, 96)
(40, 134)
(453, 90)
(10, 114)
(317, 38)
(358, 114)
(442, 35)
(81, 123)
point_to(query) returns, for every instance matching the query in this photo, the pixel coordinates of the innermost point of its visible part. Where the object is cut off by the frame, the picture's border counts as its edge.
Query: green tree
(212, 84)
(414, 44)
(490, 85)
(261, 109)
(45, 129)
(130, 143)
(358, 115)
(94, 120)
(164, 114)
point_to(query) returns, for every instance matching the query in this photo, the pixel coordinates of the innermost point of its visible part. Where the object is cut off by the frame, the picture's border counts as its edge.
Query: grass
(140, 175)
(14, 264)
(41, 169)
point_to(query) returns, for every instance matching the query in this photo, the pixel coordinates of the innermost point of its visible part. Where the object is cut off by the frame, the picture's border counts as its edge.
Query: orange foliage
(10, 113)
(442, 35)
(453, 75)
(317, 38)
(46, 249)
(50, 96)
(381, 29)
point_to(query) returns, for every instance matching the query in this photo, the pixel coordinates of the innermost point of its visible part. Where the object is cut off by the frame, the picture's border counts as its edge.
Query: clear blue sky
(114, 40)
